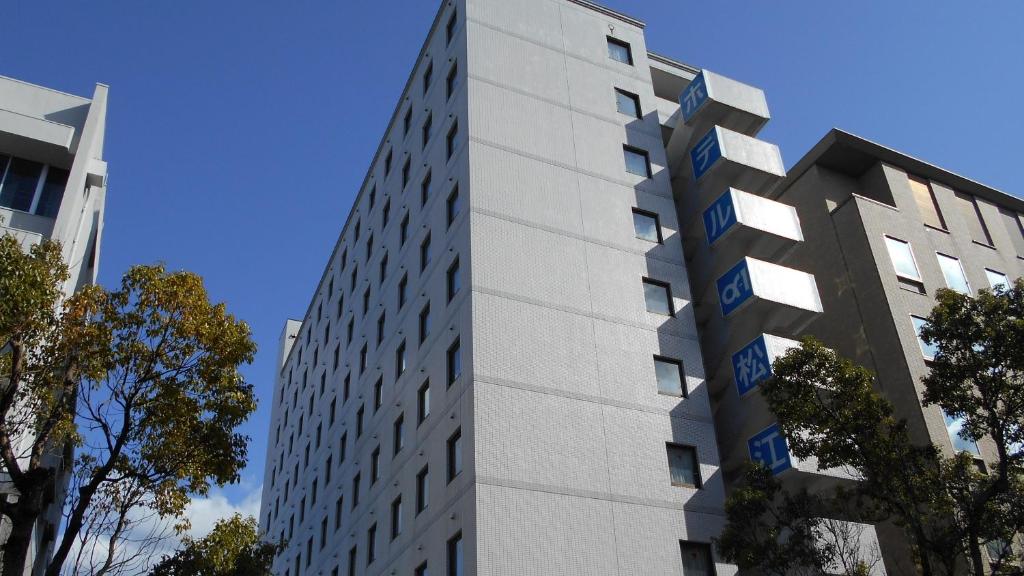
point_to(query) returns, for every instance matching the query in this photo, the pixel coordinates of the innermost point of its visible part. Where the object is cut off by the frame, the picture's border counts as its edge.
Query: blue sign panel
(734, 288)
(705, 154)
(695, 95)
(719, 217)
(751, 366)
(769, 448)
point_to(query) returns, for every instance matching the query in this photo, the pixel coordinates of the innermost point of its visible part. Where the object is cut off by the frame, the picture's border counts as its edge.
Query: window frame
(681, 371)
(657, 224)
(698, 480)
(644, 154)
(622, 44)
(666, 287)
(637, 112)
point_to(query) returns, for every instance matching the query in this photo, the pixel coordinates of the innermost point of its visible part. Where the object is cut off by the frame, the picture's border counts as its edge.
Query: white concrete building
(52, 186)
(499, 371)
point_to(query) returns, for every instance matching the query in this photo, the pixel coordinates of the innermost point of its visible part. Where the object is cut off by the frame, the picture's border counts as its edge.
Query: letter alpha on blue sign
(751, 366)
(695, 95)
(734, 288)
(769, 448)
(719, 217)
(705, 153)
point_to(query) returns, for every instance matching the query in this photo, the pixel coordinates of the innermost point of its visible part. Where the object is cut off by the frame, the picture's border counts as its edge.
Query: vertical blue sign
(769, 448)
(719, 217)
(734, 288)
(751, 365)
(705, 153)
(695, 95)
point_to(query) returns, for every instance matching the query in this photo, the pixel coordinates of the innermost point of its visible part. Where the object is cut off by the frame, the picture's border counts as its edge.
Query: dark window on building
(425, 189)
(403, 289)
(455, 564)
(359, 421)
(403, 230)
(400, 360)
(620, 51)
(658, 296)
(371, 544)
(669, 373)
(637, 161)
(449, 83)
(373, 196)
(424, 323)
(683, 467)
(453, 279)
(627, 103)
(696, 559)
(422, 489)
(454, 362)
(381, 321)
(451, 141)
(385, 214)
(646, 226)
(449, 30)
(455, 454)
(387, 169)
(407, 122)
(428, 76)
(406, 172)
(398, 433)
(362, 359)
(378, 394)
(453, 205)
(423, 402)
(356, 480)
(425, 253)
(428, 126)
(352, 562)
(396, 517)
(375, 465)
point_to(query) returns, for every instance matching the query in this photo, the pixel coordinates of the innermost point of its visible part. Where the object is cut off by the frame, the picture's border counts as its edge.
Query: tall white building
(52, 186)
(499, 371)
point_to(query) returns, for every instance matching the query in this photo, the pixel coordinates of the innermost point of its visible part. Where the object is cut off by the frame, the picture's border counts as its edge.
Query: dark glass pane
(20, 184)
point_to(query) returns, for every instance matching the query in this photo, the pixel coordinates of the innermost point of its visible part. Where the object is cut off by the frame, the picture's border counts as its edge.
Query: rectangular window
(997, 280)
(373, 197)
(352, 562)
(359, 421)
(381, 320)
(424, 323)
(333, 411)
(953, 272)
(352, 279)
(455, 454)
(422, 489)
(362, 359)
(902, 257)
(1012, 223)
(398, 433)
(378, 394)
(328, 466)
(375, 465)
(366, 300)
(683, 466)
(670, 376)
(339, 507)
(454, 362)
(406, 172)
(346, 388)
(449, 83)
(453, 279)
(637, 161)
(403, 289)
(658, 296)
(371, 544)
(400, 360)
(428, 76)
(425, 189)
(696, 559)
(421, 570)
(455, 566)
(425, 253)
(927, 350)
(403, 230)
(423, 402)
(385, 214)
(452, 206)
(924, 197)
(342, 447)
(396, 517)
(449, 30)
(627, 103)
(51, 192)
(428, 126)
(451, 141)
(337, 356)
(620, 51)
(407, 122)
(955, 428)
(356, 480)
(387, 169)
(383, 268)
(972, 218)
(20, 183)
(646, 226)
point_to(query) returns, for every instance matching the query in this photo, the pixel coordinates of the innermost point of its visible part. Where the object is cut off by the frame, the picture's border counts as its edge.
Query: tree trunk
(977, 562)
(23, 515)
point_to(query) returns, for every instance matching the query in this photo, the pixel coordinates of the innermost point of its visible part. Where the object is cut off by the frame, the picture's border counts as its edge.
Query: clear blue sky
(239, 131)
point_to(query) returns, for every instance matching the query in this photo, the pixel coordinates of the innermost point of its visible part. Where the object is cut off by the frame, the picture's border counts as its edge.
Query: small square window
(453, 205)
(455, 454)
(646, 226)
(449, 30)
(425, 189)
(627, 103)
(428, 76)
(637, 161)
(428, 126)
(449, 84)
(451, 141)
(620, 51)
(683, 466)
(423, 402)
(997, 280)
(659, 297)
(454, 362)
(670, 376)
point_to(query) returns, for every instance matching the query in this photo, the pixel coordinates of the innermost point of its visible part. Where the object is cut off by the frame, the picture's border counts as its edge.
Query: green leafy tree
(232, 548)
(141, 382)
(829, 409)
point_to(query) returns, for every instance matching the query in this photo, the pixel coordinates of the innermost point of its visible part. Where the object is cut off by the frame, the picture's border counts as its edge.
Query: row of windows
(970, 212)
(30, 186)
(908, 274)
(454, 560)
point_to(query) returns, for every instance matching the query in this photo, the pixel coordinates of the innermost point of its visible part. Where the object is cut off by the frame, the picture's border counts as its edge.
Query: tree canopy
(232, 548)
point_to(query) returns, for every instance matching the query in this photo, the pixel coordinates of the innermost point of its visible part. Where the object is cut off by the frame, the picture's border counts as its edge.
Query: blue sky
(239, 131)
